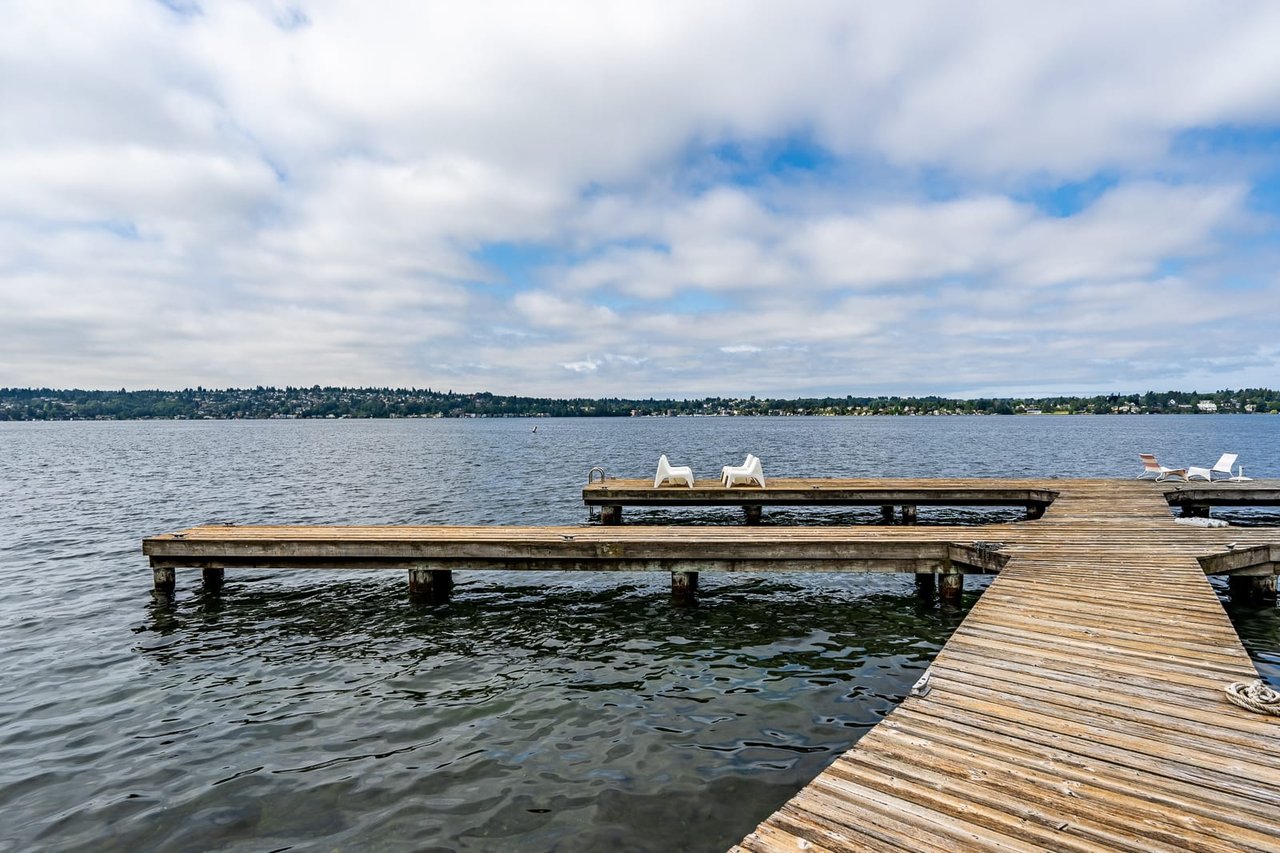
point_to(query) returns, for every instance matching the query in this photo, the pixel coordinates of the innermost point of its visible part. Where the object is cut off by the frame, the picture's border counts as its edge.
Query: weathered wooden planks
(1078, 707)
(824, 492)
(1080, 518)
(560, 549)
(1084, 517)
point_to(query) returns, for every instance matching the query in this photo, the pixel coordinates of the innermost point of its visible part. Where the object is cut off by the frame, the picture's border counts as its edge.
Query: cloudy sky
(641, 198)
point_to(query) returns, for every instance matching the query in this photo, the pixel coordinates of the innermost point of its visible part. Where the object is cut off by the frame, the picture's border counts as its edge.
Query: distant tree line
(44, 404)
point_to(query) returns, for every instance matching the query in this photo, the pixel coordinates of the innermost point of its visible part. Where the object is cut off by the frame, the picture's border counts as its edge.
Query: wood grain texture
(1078, 707)
(797, 491)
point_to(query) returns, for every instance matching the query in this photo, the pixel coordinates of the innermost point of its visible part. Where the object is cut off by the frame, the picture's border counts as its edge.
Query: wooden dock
(431, 554)
(610, 496)
(1078, 707)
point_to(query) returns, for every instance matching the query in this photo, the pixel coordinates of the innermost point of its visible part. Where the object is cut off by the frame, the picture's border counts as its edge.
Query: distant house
(1207, 406)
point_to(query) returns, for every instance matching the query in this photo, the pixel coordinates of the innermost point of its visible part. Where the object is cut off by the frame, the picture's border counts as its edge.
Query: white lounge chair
(724, 472)
(1222, 466)
(751, 472)
(1151, 466)
(673, 473)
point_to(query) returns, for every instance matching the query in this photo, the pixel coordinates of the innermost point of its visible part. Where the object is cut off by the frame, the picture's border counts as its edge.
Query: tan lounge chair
(1151, 466)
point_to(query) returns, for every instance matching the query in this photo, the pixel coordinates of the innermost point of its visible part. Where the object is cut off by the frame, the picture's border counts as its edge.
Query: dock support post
(684, 587)
(1252, 589)
(926, 584)
(753, 513)
(951, 587)
(165, 582)
(213, 579)
(1035, 511)
(908, 514)
(1195, 510)
(611, 514)
(886, 514)
(430, 585)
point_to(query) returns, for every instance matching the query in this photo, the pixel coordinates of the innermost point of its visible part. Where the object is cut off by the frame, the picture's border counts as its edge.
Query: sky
(670, 199)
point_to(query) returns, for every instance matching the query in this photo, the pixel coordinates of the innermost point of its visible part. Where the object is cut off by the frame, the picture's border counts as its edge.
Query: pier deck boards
(1084, 511)
(1078, 707)
(610, 496)
(824, 492)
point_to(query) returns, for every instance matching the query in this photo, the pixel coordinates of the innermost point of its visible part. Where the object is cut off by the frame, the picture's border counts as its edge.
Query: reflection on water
(546, 711)
(571, 711)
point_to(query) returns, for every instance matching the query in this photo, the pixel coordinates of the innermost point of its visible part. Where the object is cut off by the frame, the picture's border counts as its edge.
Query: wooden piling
(419, 583)
(1035, 511)
(951, 587)
(886, 514)
(753, 513)
(611, 514)
(684, 587)
(165, 581)
(213, 579)
(926, 584)
(1251, 588)
(430, 585)
(909, 514)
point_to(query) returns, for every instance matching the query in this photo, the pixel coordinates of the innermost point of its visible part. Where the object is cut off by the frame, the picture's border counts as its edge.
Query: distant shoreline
(317, 403)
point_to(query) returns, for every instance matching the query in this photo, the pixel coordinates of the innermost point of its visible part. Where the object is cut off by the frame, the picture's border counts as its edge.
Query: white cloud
(547, 310)
(1127, 231)
(248, 195)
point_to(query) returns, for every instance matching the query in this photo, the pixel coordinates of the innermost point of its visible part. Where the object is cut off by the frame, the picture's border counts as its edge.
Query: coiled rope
(1255, 696)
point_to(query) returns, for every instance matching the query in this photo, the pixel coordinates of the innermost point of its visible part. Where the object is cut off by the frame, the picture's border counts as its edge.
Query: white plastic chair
(724, 472)
(750, 472)
(1222, 466)
(1151, 466)
(674, 473)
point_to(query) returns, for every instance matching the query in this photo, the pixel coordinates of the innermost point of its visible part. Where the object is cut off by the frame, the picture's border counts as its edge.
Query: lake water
(319, 710)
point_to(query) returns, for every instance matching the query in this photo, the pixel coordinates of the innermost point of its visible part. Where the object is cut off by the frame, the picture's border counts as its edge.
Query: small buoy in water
(535, 429)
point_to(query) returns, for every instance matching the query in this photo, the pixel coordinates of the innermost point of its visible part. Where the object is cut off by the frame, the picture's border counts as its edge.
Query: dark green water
(321, 711)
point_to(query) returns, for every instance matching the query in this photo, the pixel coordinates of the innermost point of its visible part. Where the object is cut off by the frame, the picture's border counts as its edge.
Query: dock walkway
(611, 495)
(1078, 707)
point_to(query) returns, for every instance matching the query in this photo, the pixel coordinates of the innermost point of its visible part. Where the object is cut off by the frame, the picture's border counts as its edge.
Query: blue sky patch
(751, 163)
(517, 263)
(1070, 198)
(1264, 196)
(1236, 140)
(1249, 153)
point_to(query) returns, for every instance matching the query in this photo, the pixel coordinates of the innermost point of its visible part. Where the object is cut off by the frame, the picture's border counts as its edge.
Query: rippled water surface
(320, 710)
